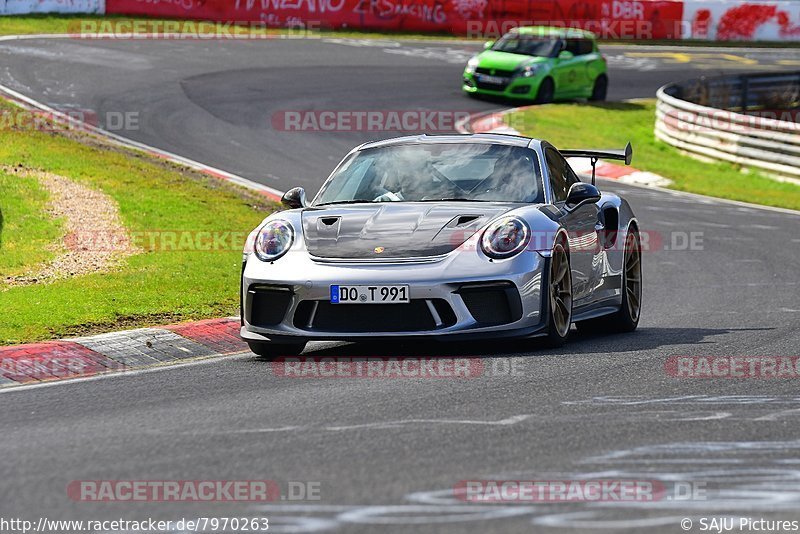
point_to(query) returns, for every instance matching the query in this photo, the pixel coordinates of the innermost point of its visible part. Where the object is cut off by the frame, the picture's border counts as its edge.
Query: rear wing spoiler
(626, 154)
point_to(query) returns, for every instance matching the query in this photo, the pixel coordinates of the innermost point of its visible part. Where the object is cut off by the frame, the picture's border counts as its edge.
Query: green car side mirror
(488, 44)
(565, 54)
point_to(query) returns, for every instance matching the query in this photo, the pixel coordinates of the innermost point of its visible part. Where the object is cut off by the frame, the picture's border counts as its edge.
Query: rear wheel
(560, 297)
(275, 350)
(546, 92)
(626, 319)
(600, 88)
(628, 315)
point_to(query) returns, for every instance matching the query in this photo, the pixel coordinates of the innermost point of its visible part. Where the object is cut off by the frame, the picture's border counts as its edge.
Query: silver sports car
(449, 237)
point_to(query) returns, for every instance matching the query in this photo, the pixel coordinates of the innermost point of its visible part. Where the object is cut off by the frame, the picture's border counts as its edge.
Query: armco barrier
(741, 119)
(22, 7)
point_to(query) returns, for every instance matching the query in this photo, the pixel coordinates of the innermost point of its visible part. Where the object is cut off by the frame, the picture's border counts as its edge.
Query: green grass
(150, 288)
(613, 125)
(25, 233)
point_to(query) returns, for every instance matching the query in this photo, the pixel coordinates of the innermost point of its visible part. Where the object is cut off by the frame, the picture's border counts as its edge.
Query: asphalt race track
(215, 102)
(387, 453)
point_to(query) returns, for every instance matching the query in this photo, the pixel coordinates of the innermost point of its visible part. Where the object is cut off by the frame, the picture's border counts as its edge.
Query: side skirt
(597, 309)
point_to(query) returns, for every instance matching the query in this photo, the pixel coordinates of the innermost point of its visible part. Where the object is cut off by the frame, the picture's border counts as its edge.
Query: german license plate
(492, 79)
(369, 294)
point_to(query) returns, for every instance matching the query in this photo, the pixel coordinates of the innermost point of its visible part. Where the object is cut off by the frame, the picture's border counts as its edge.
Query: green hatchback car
(539, 63)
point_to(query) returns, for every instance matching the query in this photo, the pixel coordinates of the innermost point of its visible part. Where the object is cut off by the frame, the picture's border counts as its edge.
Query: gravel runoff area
(91, 218)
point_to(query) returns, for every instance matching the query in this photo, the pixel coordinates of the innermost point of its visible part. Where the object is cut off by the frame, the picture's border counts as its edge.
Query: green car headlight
(472, 64)
(528, 71)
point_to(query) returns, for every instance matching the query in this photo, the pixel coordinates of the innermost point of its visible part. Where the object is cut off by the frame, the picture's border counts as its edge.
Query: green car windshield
(431, 172)
(528, 45)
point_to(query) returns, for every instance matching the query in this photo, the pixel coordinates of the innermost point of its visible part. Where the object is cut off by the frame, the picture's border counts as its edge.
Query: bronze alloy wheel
(560, 291)
(633, 276)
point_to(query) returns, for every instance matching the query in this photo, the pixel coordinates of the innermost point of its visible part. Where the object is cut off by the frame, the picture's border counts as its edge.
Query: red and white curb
(494, 122)
(117, 352)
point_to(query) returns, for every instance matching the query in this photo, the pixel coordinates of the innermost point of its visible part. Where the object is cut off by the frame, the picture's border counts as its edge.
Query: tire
(546, 92)
(600, 89)
(626, 319)
(559, 293)
(275, 350)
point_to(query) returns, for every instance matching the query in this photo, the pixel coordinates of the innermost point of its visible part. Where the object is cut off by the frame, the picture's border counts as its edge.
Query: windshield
(528, 45)
(479, 172)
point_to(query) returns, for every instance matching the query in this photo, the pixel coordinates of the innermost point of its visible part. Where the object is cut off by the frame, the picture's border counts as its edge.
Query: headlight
(472, 64)
(505, 237)
(528, 71)
(273, 240)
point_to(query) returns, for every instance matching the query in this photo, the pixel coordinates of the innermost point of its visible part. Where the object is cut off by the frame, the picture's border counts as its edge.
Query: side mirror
(565, 54)
(488, 44)
(581, 193)
(294, 198)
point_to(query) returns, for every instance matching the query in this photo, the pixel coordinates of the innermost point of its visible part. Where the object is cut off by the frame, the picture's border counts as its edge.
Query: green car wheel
(546, 91)
(600, 88)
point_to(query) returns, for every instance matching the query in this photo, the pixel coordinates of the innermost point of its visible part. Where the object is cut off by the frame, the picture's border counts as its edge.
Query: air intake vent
(466, 219)
(462, 220)
(267, 305)
(492, 303)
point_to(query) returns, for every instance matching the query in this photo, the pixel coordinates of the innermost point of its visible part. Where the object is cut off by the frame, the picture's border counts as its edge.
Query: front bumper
(462, 295)
(518, 88)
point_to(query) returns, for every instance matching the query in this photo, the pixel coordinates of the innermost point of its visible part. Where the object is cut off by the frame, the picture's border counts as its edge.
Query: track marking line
(388, 424)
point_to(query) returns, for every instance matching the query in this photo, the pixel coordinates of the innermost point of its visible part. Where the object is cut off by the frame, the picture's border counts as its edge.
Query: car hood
(394, 229)
(506, 61)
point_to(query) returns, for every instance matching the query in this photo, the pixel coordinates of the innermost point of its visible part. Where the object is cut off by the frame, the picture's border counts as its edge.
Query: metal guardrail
(737, 119)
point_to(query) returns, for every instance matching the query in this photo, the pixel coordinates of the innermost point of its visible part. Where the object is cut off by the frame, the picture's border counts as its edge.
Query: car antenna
(594, 167)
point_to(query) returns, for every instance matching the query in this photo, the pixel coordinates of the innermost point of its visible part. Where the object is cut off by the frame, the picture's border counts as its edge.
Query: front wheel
(275, 350)
(546, 92)
(560, 297)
